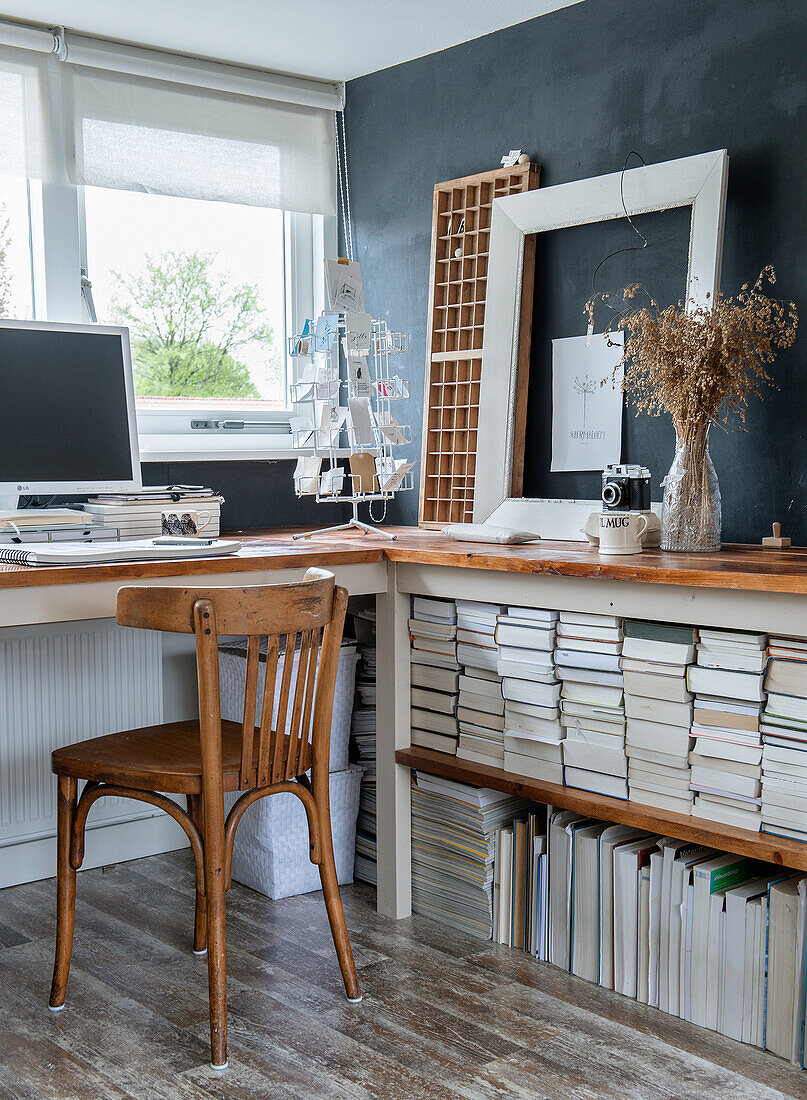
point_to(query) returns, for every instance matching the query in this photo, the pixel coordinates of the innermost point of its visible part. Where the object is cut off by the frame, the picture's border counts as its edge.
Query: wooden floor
(443, 1015)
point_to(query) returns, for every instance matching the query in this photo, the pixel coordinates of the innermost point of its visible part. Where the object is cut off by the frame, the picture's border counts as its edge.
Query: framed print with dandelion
(586, 402)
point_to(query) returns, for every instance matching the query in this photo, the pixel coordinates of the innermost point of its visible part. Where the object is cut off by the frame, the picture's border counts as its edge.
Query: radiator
(63, 683)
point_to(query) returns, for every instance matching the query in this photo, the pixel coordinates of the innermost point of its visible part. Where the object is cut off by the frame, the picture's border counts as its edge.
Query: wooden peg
(775, 541)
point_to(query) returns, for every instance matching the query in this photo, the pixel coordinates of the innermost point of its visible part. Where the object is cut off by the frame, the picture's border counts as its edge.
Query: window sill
(216, 448)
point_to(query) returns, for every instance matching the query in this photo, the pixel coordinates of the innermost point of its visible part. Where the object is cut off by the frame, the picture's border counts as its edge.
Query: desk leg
(393, 822)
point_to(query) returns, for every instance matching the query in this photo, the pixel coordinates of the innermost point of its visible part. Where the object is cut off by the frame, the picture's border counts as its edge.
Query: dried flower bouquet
(701, 365)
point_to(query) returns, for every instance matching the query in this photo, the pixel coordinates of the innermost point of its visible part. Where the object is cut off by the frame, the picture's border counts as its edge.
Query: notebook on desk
(83, 553)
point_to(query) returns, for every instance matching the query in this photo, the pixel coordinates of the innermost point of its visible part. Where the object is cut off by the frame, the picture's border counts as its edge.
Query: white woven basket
(271, 845)
(232, 675)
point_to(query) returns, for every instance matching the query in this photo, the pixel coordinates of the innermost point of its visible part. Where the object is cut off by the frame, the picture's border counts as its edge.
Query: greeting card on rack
(302, 431)
(362, 468)
(325, 331)
(357, 333)
(306, 475)
(345, 292)
(359, 375)
(391, 472)
(388, 426)
(361, 421)
(331, 481)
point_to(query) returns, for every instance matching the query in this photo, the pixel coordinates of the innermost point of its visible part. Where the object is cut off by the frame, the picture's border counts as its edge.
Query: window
(16, 269)
(187, 199)
(201, 287)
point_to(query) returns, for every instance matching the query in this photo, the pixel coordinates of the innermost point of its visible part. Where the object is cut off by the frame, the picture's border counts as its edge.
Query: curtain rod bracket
(59, 42)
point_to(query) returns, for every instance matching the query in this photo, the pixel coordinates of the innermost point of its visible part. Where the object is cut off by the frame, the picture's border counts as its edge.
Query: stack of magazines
(454, 830)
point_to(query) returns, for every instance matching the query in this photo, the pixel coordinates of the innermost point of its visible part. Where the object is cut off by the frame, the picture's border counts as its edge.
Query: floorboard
(444, 1016)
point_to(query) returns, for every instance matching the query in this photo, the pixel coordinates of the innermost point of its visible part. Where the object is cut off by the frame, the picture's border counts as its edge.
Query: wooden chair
(202, 759)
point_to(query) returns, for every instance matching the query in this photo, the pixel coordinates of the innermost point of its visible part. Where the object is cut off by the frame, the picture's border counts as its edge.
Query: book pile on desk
(726, 762)
(480, 708)
(531, 692)
(454, 829)
(658, 707)
(434, 674)
(784, 739)
(363, 735)
(587, 659)
(139, 515)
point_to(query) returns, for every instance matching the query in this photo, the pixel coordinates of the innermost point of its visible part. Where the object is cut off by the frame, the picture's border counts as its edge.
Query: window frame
(59, 247)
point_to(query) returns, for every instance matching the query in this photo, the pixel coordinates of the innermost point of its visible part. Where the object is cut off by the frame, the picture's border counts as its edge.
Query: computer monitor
(67, 410)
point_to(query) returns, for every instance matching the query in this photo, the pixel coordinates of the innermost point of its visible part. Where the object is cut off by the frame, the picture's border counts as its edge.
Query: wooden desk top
(735, 567)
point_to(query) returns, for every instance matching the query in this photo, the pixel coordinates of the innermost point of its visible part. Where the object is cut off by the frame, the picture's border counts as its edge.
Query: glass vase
(691, 517)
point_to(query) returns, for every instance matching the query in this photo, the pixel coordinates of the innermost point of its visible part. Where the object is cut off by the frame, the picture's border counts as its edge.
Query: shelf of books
(665, 858)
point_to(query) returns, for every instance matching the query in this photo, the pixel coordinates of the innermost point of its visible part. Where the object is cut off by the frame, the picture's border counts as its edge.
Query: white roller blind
(25, 148)
(165, 138)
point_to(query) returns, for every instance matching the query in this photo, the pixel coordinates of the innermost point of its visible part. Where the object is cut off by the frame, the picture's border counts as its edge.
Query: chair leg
(216, 936)
(200, 919)
(333, 904)
(65, 893)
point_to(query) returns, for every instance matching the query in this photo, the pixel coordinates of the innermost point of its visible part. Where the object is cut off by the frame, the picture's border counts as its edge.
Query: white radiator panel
(60, 684)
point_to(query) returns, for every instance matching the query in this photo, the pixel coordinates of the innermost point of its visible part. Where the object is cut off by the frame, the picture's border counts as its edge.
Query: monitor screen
(65, 413)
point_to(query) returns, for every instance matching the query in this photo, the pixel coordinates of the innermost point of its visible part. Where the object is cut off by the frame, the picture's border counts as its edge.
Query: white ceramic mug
(185, 522)
(621, 532)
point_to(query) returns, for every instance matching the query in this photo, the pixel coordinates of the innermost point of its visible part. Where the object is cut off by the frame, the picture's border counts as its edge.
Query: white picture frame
(698, 181)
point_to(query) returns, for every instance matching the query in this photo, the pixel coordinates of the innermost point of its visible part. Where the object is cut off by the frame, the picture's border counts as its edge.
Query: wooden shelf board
(764, 846)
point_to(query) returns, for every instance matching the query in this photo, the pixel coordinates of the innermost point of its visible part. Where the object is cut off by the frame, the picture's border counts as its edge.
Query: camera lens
(611, 493)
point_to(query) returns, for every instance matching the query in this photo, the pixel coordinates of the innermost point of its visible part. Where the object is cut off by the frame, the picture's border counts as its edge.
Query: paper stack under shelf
(453, 838)
(363, 736)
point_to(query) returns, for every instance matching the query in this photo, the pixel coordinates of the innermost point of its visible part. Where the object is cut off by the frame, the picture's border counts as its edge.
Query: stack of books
(363, 735)
(454, 828)
(533, 734)
(727, 759)
(480, 709)
(520, 885)
(714, 938)
(433, 632)
(658, 707)
(784, 740)
(587, 659)
(139, 515)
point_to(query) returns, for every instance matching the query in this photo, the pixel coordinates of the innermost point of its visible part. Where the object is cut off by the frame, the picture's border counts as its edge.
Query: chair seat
(156, 758)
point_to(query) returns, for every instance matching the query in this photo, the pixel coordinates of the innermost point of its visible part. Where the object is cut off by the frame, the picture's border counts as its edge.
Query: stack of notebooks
(587, 659)
(434, 674)
(139, 515)
(727, 759)
(363, 735)
(454, 828)
(784, 739)
(658, 707)
(480, 709)
(533, 734)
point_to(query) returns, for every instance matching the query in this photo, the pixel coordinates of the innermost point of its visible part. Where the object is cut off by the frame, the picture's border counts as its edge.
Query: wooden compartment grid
(457, 295)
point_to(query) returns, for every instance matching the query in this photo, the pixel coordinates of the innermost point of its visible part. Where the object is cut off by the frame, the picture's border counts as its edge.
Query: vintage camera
(625, 489)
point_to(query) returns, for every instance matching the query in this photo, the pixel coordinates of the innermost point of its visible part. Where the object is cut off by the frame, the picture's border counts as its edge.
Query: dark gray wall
(256, 494)
(578, 89)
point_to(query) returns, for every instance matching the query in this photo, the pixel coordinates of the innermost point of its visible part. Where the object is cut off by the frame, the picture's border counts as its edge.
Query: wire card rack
(344, 426)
